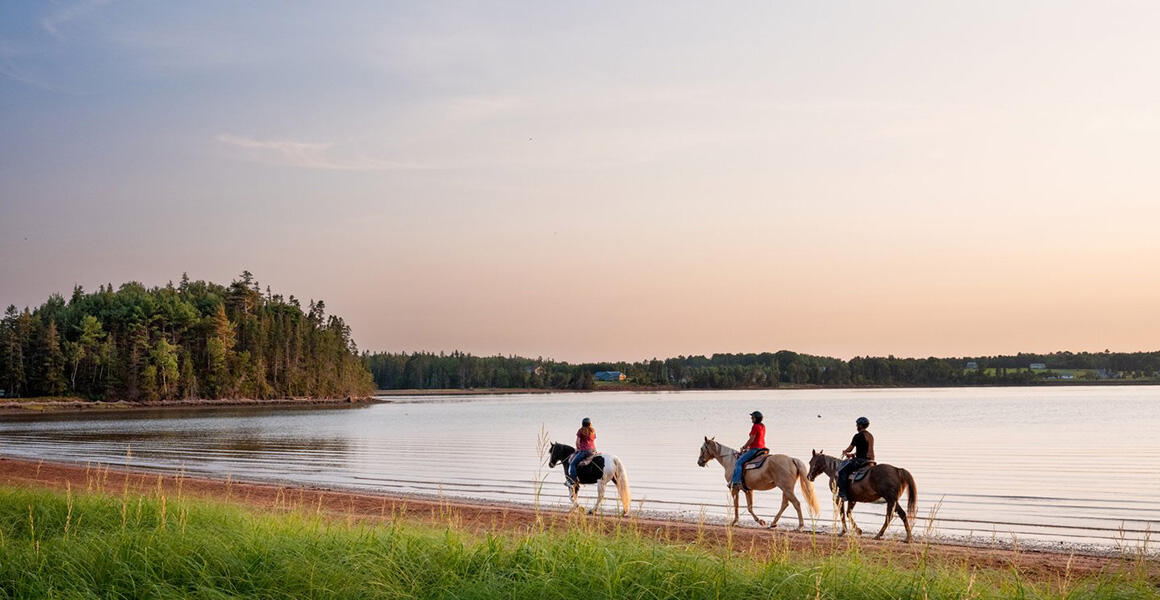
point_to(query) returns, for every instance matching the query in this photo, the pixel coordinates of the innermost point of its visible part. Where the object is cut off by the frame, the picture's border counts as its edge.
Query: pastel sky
(602, 180)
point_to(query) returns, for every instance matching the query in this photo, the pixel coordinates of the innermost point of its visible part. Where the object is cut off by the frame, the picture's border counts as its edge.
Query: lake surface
(1061, 464)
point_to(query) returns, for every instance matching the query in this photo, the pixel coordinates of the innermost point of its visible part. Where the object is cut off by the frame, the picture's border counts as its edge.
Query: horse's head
(557, 453)
(817, 464)
(708, 452)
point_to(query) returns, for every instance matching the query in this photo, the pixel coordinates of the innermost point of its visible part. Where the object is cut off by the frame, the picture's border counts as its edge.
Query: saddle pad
(756, 462)
(860, 474)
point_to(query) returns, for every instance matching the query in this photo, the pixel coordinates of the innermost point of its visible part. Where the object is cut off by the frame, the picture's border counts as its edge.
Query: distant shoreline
(803, 386)
(65, 405)
(72, 404)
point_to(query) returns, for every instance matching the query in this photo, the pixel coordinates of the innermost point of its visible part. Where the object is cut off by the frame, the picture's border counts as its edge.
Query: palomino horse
(883, 482)
(602, 469)
(779, 471)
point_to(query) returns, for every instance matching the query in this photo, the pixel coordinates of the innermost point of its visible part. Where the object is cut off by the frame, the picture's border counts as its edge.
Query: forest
(422, 370)
(193, 340)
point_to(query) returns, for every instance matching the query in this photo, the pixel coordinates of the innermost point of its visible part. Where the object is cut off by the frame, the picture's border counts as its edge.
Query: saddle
(589, 470)
(756, 461)
(860, 473)
(587, 460)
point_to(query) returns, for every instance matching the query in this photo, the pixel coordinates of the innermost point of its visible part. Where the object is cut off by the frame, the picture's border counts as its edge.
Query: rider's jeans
(741, 460)
(576, 458)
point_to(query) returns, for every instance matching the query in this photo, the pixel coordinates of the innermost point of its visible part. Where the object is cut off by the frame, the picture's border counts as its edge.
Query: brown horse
(779, 471)
(883, 482)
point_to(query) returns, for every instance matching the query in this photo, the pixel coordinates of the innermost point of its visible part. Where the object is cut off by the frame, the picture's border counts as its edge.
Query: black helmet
(756, 413)
(862, 422)
(586, 422)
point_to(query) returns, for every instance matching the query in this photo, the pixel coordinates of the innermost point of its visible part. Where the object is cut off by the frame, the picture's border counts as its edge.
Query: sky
(603, 181)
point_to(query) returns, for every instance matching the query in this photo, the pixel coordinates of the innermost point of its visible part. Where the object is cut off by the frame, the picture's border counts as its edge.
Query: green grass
(63, 545)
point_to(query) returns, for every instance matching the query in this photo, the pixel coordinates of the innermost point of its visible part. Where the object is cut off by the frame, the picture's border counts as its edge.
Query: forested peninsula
(193, 340)
(422, 370)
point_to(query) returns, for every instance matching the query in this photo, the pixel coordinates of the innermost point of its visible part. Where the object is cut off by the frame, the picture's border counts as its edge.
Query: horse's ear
(706, 438)
(814, 451)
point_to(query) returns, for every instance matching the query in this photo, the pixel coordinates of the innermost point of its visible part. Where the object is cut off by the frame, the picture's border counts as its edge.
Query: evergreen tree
(52, 371)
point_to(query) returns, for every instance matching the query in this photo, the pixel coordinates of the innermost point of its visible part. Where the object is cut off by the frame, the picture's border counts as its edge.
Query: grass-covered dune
(75, 545)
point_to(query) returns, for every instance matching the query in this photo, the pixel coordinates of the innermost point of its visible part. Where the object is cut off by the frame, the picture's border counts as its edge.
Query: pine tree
(52, 370)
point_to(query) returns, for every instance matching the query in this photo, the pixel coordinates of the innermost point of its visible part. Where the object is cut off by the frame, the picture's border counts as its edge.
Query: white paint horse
(602, 469)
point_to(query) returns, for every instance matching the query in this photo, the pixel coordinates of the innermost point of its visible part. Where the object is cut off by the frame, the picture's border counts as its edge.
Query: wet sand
(521, 520)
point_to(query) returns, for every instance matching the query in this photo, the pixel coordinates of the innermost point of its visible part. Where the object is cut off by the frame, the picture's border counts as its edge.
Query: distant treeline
(422, 370)
(192, 340)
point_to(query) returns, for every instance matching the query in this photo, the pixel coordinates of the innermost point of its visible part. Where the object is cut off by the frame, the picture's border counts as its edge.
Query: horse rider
(862, 446)
(752, 446)
(585, 447)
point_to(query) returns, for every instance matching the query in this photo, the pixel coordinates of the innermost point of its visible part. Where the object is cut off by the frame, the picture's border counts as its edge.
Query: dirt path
(479, 517)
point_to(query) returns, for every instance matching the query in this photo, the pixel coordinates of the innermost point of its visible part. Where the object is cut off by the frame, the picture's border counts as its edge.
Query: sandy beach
(515, 519)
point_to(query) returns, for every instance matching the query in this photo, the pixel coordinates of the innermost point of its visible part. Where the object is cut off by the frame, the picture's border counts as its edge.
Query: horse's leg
(890, 506)
(850, 513)
(599, 495)
(736, 508)
(784, 503)
(749, 504)
(796, 506)
(575, 494)
(905, 522)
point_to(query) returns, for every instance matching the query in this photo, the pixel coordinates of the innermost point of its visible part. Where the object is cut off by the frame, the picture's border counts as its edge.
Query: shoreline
(484, 517)
(795, 387)
(76, 405)
(73, 405)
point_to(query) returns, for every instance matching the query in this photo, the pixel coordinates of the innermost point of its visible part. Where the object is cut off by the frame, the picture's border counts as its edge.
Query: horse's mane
(565, 447)
(722, 448)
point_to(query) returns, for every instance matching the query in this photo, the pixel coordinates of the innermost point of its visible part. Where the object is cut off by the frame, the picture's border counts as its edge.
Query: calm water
(1071, 465)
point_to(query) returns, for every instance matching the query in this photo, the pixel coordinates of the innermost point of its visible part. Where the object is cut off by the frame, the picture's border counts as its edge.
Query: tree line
(424, 370)
(193, 340)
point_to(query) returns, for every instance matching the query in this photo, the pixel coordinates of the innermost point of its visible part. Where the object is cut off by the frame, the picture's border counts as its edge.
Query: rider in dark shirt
(862, 446)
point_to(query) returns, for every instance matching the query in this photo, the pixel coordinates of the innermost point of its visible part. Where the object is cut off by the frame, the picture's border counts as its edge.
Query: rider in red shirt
(755, 443)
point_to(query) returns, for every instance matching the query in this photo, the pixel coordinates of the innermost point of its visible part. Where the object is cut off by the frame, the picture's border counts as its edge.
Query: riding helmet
(757, 413)
(586, 422)
(862, 422)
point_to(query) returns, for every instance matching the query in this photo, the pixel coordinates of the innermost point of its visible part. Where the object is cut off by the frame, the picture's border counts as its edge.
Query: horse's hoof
(877, 537)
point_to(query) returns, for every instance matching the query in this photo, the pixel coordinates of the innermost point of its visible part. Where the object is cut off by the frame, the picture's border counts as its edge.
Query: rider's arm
(849, 450)
(870, 450)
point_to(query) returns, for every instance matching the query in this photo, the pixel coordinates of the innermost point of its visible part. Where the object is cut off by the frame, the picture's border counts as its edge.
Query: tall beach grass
(93, 545)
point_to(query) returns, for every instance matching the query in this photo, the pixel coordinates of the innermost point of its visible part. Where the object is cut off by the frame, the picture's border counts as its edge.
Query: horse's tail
(911, 494)
(807, 487)
(620, 478)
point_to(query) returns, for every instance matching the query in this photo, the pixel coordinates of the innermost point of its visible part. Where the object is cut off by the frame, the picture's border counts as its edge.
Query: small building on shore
(609, 376)
(1038, 366)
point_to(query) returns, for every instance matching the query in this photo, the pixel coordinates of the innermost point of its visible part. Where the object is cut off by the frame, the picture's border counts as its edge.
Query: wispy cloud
(53, 22)
(309, 155)
(9, 53)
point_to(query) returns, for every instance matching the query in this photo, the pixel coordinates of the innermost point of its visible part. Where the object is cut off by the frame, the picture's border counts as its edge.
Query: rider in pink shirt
(585, 446)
